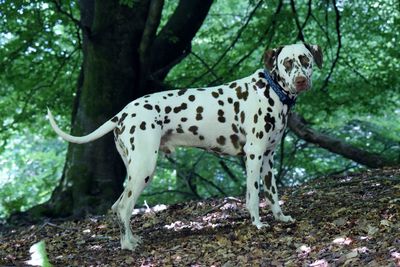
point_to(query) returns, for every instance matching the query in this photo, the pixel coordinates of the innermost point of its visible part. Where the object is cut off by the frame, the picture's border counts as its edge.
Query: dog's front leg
(271, 191)
(253, 165)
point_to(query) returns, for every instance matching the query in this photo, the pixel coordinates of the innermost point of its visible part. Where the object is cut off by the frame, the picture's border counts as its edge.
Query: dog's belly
(231, 144)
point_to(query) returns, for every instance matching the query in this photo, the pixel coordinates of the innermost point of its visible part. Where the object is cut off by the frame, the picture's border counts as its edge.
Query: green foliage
(191, 168)
(41, 56)
(39, 255)
(30, 168)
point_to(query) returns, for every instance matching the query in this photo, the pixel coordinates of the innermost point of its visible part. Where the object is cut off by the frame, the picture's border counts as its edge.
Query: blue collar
(285, 99)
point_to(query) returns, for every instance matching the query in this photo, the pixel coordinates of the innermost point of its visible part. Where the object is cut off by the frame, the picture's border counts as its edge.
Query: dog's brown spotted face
(292, 65)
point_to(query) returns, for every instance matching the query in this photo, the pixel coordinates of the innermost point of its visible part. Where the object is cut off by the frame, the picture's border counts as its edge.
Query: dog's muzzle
(301, 83)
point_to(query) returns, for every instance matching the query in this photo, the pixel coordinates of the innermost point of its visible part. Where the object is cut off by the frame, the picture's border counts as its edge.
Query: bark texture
(120, 51)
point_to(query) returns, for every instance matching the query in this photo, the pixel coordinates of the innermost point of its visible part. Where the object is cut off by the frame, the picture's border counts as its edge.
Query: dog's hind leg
(140, 171)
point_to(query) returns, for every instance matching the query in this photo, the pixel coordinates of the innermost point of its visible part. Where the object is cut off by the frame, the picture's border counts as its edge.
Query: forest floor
(351, 220)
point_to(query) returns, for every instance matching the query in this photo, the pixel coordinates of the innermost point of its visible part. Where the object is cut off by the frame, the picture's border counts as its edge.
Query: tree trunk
(299, 126)
(118, 47)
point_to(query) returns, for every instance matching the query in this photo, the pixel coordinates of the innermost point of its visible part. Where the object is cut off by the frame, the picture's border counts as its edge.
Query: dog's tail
(99, 132)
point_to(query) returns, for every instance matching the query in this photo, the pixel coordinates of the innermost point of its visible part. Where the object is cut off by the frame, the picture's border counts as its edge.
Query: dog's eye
(304, 61)
(288, 63)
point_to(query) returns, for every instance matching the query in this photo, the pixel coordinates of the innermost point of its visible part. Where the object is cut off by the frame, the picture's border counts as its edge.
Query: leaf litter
(351, 220)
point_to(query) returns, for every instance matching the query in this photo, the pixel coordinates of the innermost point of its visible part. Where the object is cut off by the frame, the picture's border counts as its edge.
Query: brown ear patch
(270, 57)
(316, 52)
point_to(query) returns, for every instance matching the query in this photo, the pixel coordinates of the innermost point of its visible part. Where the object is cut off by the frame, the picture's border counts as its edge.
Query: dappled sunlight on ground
(335, 226)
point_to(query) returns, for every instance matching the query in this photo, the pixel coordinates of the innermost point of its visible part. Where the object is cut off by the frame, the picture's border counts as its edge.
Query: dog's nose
(301, 81)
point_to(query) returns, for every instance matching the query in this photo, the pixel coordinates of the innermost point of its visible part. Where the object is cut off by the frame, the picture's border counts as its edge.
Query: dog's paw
(260, 225)
(131, 243)
(286, 218)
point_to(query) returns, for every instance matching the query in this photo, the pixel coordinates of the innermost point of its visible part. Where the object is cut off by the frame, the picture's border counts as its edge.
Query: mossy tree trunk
(123, 60)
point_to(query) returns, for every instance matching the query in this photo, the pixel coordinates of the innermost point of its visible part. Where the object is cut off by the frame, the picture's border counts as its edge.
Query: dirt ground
(351, 220)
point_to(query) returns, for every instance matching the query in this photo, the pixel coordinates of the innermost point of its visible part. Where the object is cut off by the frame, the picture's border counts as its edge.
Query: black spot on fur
(183, 106)
(256, 185)
(148, 106)
(271, 101)
(221, 117)
(260, 84)
(193, 129)
(269, 122)
(132, 129)
(192, 98)
(124, 115)
(215, 94)
(242, 117)
(235, 141)
(234, 128)
(233, 85)
(199, 110)
(268, 180)
(221, 140)
(143, 125)
(179, 129)
(241, 94)
(168, 109)
(182, 91)
(166, 120)
(236, 107)
(146, 180)
(115, 119)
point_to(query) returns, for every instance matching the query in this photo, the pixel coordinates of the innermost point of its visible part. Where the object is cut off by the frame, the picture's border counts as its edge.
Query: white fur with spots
(243, 117)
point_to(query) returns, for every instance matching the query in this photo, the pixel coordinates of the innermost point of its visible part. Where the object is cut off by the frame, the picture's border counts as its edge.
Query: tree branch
(150, 29)
(238, 35)
(228, 171)
(300, 36)
(299, 126)
(270, 28)
(211, 183)
(339, 46)
(174, 40)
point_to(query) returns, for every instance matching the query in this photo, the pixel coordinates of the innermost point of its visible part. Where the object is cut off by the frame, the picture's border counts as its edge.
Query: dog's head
(292, 65)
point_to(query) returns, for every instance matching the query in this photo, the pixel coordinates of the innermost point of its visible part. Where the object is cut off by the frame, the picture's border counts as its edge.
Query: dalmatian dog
(244, 117)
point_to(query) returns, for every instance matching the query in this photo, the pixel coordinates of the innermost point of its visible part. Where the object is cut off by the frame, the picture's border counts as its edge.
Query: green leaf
(39, 255)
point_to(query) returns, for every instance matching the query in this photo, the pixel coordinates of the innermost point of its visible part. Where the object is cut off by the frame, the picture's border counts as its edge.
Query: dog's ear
(270, 57)
(316, 51)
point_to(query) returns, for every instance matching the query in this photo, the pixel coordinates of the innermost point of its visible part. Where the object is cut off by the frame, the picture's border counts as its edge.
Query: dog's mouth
(302, 87)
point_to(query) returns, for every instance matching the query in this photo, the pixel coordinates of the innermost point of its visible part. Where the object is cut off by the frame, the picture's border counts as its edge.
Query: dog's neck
(278, 86)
